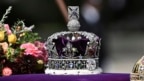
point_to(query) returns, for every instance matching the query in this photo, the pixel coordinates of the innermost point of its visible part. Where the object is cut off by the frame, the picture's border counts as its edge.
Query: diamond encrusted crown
(73, 49)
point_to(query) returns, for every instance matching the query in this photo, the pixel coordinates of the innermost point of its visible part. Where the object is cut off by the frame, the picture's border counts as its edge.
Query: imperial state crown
(73, 52)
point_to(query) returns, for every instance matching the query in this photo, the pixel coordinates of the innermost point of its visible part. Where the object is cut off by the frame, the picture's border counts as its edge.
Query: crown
(138, 70)
(73, 51)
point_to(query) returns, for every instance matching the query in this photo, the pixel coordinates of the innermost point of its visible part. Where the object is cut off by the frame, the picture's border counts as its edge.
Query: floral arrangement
(21, 52)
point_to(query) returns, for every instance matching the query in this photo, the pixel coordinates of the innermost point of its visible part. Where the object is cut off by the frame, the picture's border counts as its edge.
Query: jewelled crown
(73, 49)
(138, 70)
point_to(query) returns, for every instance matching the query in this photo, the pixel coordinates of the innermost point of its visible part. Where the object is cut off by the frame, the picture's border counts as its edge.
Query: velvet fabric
(79, 44)
(45, 77)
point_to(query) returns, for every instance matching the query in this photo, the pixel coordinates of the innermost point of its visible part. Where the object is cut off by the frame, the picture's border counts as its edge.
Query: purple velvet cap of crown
(80, 44)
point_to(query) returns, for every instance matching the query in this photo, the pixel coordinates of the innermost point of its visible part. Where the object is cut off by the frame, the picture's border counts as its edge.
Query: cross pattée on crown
(73, 12)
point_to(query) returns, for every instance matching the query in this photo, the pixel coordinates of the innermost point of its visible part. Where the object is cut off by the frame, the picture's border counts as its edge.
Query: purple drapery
(44, 77)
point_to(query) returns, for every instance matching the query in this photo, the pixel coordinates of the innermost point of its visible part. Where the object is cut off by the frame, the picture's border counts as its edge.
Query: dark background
(120, 27)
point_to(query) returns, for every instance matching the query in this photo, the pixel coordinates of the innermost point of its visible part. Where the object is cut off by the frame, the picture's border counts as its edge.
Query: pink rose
(6, 71)
(30, 49)
(6, 26)
(41, 46)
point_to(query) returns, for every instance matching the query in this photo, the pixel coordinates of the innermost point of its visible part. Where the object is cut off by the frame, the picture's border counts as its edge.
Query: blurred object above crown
(73, 52)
